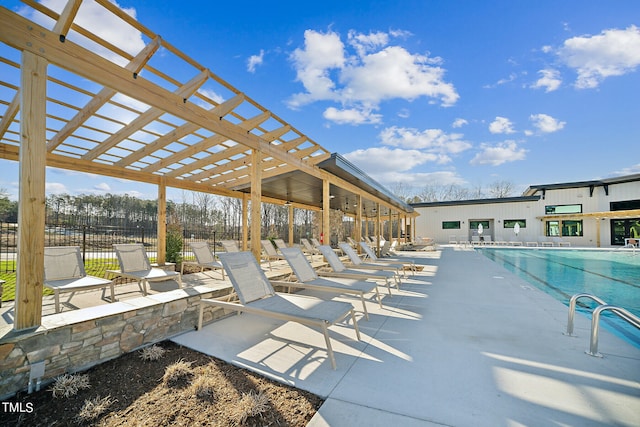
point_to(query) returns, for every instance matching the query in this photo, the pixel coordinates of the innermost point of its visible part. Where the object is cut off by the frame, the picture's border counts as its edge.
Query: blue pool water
(613, 276)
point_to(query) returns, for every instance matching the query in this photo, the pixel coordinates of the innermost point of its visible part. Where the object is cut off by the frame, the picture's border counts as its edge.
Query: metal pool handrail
(595, 319)
(572, 310)
(595, 324)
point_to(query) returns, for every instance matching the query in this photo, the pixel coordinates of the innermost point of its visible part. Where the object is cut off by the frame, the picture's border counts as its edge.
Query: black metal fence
(97, 242)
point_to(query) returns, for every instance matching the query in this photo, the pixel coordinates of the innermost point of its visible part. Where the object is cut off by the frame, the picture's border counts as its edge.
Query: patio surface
(464, 343)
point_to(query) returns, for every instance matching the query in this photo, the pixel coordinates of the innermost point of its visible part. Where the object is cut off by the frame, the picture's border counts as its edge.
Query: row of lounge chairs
(64, 270)
(488, 241)
(256, 293)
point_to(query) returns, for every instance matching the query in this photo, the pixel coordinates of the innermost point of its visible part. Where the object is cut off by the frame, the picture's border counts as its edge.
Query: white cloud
(550, 80)
(254, 61)
(431, 140)
(104, 24)
(364, 43)
(377, 159)
(351, 116)
(501, 125)
(103, 186)
(458, 123)
(498, 154)
(321, 54)
(613, 52)
(368, 73)
(631, 170)
(55, 188)
(418, 180)
(545, 123)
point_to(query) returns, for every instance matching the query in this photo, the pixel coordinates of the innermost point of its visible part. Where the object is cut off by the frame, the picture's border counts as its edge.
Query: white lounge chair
(338, 269)
(64, 272)
(269, 252)
(395, 261)
(257, 296)
(280, 243)
(204, 258)
(357, 262)
(134, 264)
(309, 249)
(230, 246)
(308, 279)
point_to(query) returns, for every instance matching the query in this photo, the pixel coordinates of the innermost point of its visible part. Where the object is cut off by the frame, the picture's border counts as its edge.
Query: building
(588, 213)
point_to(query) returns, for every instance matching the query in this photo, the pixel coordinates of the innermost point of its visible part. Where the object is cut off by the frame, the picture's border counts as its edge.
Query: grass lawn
(93, 267)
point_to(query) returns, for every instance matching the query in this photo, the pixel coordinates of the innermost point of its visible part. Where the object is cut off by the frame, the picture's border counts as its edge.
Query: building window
(473, 225)
(511, 223)
(568, 228)
(562, 209)
(572, 228)
(450, 225)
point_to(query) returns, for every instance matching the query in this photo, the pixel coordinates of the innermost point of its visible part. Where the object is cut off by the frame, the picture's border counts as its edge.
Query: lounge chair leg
(57, 298)
(364, 307)
(113, 297)
(325, 331)
(355, 325)
(379, 298)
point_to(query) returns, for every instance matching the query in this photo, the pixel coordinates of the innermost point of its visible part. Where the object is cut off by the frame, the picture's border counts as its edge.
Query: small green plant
(174, 241)
(94, 408)
(152, 353)
(69, 385)
(251, 404)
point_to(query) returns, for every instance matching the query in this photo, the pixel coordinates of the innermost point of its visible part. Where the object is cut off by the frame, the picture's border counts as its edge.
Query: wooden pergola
(162, 119)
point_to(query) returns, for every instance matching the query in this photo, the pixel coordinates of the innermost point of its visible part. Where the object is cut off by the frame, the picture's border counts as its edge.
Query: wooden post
(31, 205)
(358, 236)
(290, 225)
(597, 232)
(390, 226)
(245, 221)
(326, 231)
(376, 228)
(162, 222)
(256, 195)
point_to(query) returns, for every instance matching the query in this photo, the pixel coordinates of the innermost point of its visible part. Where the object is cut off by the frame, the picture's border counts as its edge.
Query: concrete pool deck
(463, 343)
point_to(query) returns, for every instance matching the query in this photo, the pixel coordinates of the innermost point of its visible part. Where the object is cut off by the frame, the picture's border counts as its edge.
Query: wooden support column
(290, 225)
(597, 232)
(358, 236)
(376, 228)
(390, 226)
(399, 228)
(31, 205)
(256, 195)
(326, 213)
(245, 222)
(162, 222)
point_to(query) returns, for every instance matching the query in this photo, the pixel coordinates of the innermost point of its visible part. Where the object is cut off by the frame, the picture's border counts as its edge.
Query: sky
(424, 92)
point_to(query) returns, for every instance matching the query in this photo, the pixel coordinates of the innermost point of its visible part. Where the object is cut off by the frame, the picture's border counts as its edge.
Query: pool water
(613, 276)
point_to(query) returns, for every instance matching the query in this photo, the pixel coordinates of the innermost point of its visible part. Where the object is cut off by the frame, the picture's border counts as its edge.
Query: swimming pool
(613, 276)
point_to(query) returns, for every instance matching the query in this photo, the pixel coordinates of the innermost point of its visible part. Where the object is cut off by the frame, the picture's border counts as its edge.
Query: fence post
(142, 234)
(84, 242)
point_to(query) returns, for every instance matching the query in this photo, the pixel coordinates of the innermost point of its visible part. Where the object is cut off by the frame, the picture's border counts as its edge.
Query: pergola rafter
(166, 121)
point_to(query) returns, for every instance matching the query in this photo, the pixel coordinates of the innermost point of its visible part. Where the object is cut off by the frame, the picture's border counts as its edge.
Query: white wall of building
(496, 211)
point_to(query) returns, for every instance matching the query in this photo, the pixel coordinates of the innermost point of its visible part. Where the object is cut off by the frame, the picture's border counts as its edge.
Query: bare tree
(502, 188)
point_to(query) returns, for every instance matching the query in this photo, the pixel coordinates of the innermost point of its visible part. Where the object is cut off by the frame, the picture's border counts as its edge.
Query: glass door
(624, 228)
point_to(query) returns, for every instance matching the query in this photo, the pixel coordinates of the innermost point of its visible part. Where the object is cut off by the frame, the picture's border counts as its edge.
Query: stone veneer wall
(74, 341)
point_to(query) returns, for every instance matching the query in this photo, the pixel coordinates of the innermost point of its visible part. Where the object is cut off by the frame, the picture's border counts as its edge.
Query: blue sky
(420, 92)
